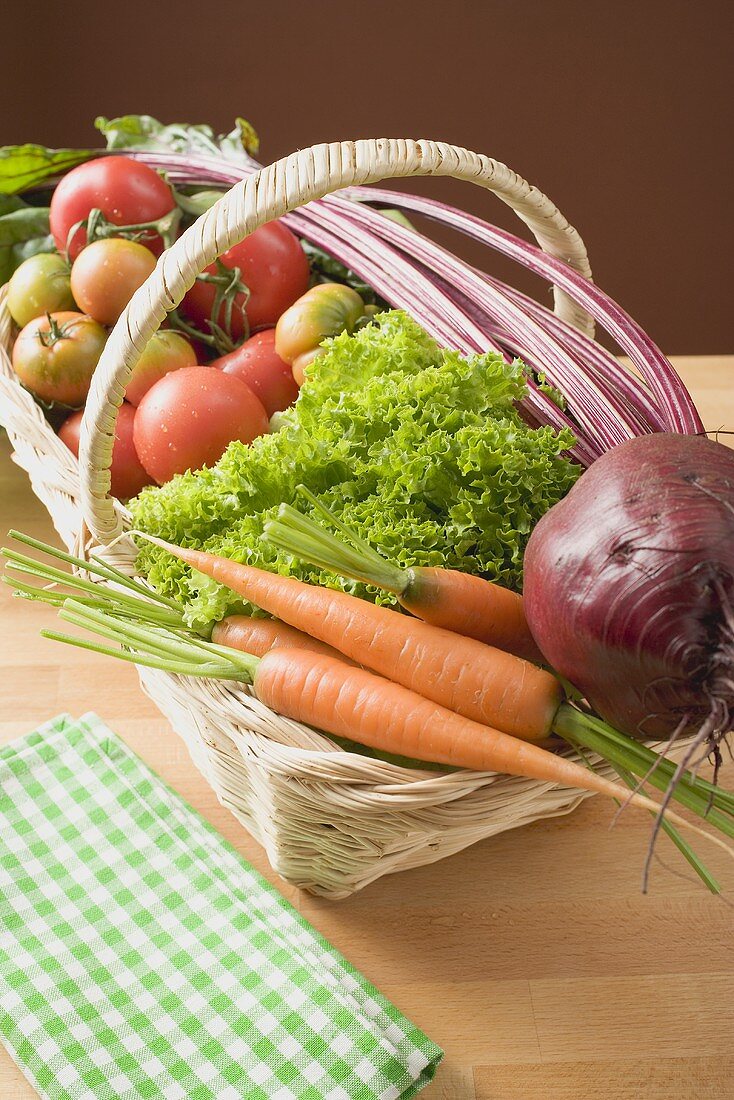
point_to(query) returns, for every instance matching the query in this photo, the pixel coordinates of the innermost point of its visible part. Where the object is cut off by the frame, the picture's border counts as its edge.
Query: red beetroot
(629, 583)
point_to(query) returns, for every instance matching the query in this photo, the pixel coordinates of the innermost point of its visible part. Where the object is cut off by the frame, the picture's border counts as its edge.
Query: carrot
(348, 702)
(324, 692)
(484, 684)
(125, 616)
(461, 602)
(352, 702)
(259, 636)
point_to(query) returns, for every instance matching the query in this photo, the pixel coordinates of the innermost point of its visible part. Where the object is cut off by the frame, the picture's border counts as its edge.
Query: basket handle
(268, 194)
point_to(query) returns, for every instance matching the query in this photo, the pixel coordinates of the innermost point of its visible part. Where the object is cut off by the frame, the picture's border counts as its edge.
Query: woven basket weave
(331, 821)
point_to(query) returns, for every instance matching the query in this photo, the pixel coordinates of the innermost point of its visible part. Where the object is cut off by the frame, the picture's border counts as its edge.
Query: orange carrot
(259, 636)
(345, 701)
(473, 679)
(461, 602)
(354, 703)
(471, 606)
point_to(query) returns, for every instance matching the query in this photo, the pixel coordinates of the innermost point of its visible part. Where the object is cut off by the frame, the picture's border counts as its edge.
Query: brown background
(622, 112)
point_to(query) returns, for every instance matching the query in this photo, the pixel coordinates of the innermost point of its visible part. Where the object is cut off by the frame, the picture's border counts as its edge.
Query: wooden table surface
(532, 958)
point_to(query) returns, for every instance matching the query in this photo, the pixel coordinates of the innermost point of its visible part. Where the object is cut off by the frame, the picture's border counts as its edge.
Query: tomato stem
(196, 203)
(222, 340)
(370, 312)
(54, 333)
(228, 284)
(99, 227)
(177, 322)
(216, 338)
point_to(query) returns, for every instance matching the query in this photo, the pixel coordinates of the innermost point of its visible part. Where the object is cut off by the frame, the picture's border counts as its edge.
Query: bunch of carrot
(438, 695)
(396, 683)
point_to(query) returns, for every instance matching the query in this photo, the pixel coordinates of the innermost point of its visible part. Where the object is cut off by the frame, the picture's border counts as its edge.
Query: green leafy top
(420, 449)
(24, 229)
(23, 232)
(23, 167)
(145, 132)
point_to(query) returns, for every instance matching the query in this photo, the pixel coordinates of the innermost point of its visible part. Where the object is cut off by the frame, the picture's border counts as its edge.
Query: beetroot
(629, 583)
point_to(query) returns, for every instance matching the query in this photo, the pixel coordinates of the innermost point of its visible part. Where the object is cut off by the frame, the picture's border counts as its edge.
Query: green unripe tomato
(325, 310)
(42, 284)
(55, 356)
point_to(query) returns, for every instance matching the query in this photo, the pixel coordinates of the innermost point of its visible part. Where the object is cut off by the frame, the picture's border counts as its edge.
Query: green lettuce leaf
(420, 449)
(24, 231)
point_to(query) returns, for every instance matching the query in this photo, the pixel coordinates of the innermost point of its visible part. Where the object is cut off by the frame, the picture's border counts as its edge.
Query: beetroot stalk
(370, 243)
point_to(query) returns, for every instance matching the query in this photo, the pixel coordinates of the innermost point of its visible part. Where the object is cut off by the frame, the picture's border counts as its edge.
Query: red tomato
(258, 364)
(126, 191)
(274, 268)
(186, 420)
(106, 274)
(165, 351)
(126, 471)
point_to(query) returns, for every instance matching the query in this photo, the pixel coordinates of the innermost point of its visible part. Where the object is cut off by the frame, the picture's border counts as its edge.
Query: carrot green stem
(225, 651)
(157, 640)
(156, 646)
(117, 630)
(91, 565)
(581, 729)
(112, 597)
(42, 595)
(137, 657)
(349, 556)
(682, 845)
(55, 598)
(641, 759)
(647, 759)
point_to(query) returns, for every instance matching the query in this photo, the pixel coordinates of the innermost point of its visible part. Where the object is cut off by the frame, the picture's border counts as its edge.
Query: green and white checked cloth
(142, 957)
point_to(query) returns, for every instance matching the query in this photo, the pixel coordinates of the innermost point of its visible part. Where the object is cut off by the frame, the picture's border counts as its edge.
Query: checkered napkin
(140, 956)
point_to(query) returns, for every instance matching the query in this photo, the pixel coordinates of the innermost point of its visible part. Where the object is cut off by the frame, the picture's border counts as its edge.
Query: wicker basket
(331, 821)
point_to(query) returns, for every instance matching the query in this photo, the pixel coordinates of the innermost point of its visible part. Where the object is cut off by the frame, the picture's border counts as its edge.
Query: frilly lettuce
(420, 449)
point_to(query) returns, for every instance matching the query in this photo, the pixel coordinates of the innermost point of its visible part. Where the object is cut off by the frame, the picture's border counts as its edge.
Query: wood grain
(643, 1079)
(532, 958)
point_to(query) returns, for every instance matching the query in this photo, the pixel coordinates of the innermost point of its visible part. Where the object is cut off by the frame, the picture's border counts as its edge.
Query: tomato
(165, 351)
(325, 310)
(302, 362)
(55, 356)
(258, 364)
(106, 274)
(187, 419)
(273, 267)
(39, 285)
(126, 191)
(126, 472)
